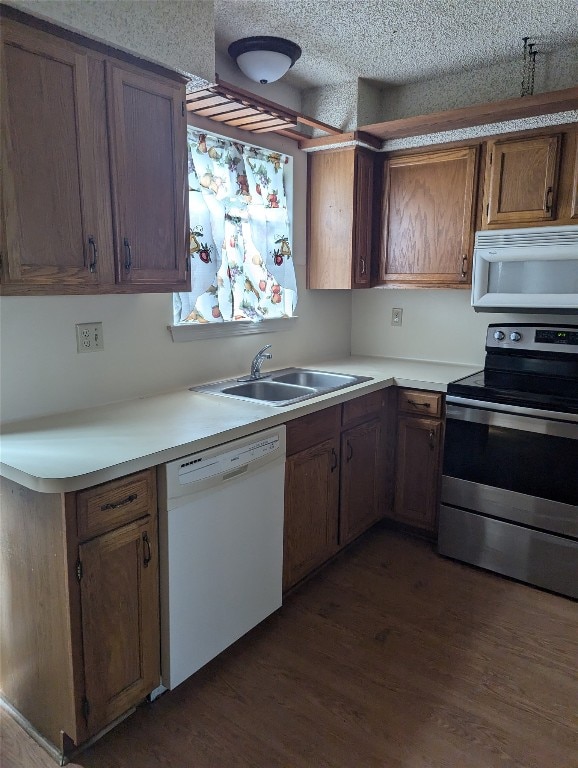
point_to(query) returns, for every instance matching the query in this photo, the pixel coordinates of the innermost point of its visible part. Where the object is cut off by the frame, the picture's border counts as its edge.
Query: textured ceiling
(397, 41)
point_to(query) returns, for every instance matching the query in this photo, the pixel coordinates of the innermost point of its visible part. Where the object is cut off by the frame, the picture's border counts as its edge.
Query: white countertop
(76, 450)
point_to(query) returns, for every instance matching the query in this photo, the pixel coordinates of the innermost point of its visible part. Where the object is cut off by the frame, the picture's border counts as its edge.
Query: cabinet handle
(349, 451)
(362, 265)
(432, 435)
(334, 465)
(146, 550)
(128, 255)
(418, 405)
(92, 243)
(115, 505)
(548, 200)
(464, 272)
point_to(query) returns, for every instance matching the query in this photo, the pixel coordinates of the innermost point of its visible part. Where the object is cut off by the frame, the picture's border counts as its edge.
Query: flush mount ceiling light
(264, 59)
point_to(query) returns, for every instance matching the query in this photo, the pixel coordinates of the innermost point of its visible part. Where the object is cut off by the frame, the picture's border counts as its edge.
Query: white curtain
(240, 235)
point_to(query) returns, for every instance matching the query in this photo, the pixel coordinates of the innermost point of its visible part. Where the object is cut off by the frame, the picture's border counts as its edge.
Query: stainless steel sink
(283, 387)
(269, 390)
(315, 379)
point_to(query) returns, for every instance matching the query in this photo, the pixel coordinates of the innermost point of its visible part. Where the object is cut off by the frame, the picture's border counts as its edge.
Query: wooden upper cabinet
(428, 212)
(521, 180)
(88, 142)
(340, 218)
(574, 191)
(49, 209)
(147, 133)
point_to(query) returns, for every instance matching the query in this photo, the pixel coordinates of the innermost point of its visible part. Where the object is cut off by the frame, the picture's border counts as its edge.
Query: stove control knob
(499, 335)
(515, 336)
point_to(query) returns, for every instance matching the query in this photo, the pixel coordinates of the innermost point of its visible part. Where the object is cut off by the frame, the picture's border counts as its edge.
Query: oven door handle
(519, 420)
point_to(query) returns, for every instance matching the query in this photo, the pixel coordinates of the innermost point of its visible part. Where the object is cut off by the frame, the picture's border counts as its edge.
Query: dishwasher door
(221, 540)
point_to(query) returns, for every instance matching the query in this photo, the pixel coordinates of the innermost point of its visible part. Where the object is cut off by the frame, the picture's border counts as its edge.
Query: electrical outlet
(89, 337)
(396, 316)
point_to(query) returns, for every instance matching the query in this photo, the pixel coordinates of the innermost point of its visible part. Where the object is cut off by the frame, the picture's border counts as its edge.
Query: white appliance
(526, 270)
(221, 539)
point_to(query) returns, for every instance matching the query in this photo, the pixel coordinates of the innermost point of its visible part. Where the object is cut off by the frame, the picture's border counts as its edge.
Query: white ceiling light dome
(264, 59)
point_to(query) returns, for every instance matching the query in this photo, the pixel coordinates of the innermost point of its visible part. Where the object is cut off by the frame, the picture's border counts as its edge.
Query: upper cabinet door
(48, 187)
(428, 218)
(521, 180)
(148, 166)
(340, 218)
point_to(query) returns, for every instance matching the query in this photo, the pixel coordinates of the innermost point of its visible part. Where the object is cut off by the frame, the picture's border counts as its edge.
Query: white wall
(42, 372)
(437, 325)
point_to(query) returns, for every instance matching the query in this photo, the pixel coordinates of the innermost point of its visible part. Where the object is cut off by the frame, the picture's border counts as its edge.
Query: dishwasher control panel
(220, 461)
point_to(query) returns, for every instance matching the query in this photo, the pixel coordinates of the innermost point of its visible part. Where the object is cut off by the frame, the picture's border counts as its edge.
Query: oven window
(525, 462)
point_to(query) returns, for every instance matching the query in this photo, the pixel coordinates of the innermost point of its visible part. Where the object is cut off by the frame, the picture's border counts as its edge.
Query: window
(240, 234)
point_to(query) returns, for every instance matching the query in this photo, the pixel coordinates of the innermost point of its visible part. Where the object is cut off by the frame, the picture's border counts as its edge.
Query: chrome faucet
(257, 362)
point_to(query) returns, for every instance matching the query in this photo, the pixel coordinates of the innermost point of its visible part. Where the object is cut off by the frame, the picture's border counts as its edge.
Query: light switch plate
(89, 337)
(396, 316)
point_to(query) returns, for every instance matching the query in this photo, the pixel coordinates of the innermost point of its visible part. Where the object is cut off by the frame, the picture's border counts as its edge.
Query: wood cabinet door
(428, 218)
(574, 195)
(311, 509)
(120, 620)
(48, 182)
(330, 218)
(363, 482)
(362, 217)
(521, 180)
(417, 471)
(147, 127)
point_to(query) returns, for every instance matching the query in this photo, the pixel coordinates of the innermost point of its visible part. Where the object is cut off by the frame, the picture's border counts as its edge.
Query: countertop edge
(260, 420)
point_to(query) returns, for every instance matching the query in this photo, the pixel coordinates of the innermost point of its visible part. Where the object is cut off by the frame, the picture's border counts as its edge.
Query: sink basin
(316, 379)
(272, 391)
(284, 387)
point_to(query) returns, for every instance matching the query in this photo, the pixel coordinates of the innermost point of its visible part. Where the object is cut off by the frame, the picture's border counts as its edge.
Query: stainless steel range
(509, 500)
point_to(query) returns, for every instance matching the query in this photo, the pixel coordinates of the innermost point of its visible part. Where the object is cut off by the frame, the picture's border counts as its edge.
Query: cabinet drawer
(110, 505)
(312, 429)
(419, 401)
(362, 407)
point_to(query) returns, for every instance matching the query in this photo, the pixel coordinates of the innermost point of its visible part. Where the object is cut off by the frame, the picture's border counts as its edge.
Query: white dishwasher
(221, 548)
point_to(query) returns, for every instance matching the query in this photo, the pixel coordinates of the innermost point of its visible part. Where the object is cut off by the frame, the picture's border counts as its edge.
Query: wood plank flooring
(392, 657)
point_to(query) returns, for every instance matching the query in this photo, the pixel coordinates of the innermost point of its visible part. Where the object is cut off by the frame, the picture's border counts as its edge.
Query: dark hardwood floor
(391, 657)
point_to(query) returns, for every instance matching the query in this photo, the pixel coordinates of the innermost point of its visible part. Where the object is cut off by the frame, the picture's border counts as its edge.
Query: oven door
(509, 498)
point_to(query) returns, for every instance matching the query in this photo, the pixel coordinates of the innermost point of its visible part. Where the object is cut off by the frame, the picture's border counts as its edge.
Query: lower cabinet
(418, 458)
(80, 628)
(311, 501)
(336, 481)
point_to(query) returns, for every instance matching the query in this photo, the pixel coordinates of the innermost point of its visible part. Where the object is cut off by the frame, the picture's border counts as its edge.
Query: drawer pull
(418, 405)
(124, 502)
(146, 549)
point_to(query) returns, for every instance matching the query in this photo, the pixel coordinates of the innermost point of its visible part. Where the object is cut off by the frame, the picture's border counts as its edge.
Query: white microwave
(526, 270)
